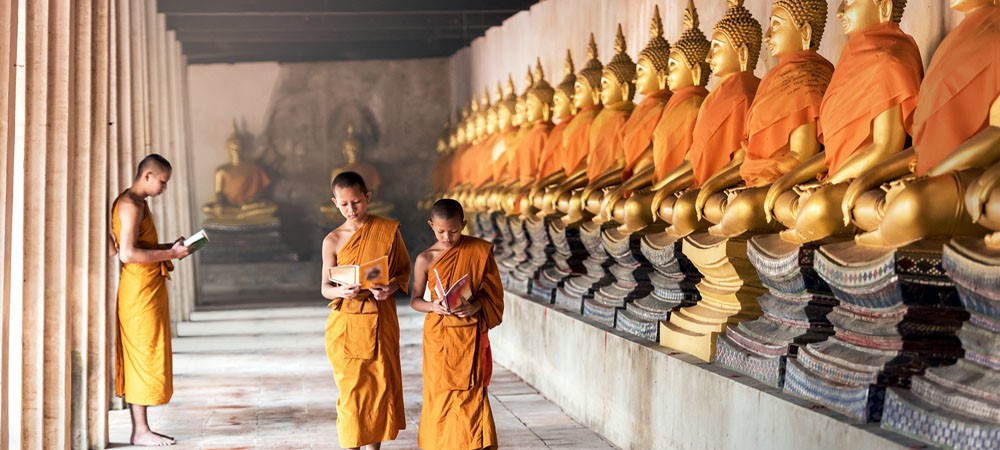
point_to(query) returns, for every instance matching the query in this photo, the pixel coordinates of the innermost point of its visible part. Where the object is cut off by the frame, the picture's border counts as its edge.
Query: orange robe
(963, 81)
(789, 97)
(456, 411)
(362, 342)
(674, 133)
(482, 172)
(456, 169)
(576, 139)
(529, 151)
(499, 156)
(551, 159)
(442, 173)
(606, 138)
(718, 133)
(878, 69)
(143, 359)
(637, 134)
(243, 183)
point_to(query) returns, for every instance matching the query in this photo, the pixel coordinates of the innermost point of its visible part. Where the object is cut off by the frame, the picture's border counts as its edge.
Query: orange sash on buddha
(718, 132)
(362, 342)
(442, 173)
(576, 139)
(962, 82)
(878, 69)
(789, 96)
(456, 168)
(530, 150)
(457, 362)
(513, 144)
(243, 182)
(606, 138)
(674, 133)
(637, 134)
(551, 159)
(482, 171)
(499, 156)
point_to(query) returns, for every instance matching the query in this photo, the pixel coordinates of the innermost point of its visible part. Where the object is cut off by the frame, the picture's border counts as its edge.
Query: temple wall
(551, 26)
(643, 396)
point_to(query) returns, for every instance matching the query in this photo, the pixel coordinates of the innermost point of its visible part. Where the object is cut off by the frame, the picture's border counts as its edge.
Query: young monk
(458, 363)
(362, 331)
(143, 363)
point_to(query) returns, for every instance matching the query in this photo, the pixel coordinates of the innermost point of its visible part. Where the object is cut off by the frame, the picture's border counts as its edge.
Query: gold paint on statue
(351, 148)
(240, 187)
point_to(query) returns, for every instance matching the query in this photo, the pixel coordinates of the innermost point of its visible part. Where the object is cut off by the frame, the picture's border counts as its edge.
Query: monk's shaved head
(447, 208)
(348, 180)
(153, 162)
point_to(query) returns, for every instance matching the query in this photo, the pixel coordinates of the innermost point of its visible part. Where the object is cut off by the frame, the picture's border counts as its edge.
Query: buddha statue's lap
(240, 187)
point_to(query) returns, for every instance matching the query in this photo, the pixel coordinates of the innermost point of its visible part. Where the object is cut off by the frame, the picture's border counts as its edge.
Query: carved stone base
(631, 273)
(505, 239)
(898, 315)
(729, 292)
(567, 259)
(246, 243)
(517, 253)
(958, 406)
(579, 287)
(794, 309)
(539, 253)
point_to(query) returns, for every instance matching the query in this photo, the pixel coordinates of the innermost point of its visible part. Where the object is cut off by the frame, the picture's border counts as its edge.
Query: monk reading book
(371, 273)
(457, 359)
(362, 331)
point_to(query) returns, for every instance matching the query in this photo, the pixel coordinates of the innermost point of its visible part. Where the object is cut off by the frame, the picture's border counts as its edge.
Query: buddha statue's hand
(979, 192)
(611, 199)
(658, 199)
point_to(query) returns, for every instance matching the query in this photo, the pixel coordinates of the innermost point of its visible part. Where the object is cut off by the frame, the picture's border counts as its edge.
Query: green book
(196, 241)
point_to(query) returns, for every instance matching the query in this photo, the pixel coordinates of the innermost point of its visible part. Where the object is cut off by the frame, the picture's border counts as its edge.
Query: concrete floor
(260, 379)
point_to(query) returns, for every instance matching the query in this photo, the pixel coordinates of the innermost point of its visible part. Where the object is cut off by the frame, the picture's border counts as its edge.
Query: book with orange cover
(367, 274)
(459, 292)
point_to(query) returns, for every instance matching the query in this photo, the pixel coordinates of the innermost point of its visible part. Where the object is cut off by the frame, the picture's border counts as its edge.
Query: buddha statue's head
(651, 65)
(618, 77)
(687, 65)
(587, 88)
(351, 146)
(538, 106)
(795, 25)
(507, 106)
(492, 121)
(234, 146)
(967, 6)
(470, 122)
(562, 99)
(736, 42)
(461, 132)
(520, 107)
(453, 139)
(484, 106)
(860, 15)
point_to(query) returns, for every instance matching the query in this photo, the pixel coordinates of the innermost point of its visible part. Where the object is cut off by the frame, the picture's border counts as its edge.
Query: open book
(367, 274)
(459, 292)
(196, 241)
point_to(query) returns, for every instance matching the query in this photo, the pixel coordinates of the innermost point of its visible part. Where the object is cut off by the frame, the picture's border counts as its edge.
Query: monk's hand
(179, 250)
(467, 309)
(439, 309)
(382, 291)
(347, 291)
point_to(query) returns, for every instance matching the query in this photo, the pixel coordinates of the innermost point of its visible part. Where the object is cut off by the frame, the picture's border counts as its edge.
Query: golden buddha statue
(510, 193)
(240, 188)
(533, 164)
(500, 157)
(351, 148)
(861, 125)
(552, 169)
(688, 73)
(956, 133)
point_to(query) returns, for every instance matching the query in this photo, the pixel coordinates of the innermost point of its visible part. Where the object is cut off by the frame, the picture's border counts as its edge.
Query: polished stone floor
(260, 379)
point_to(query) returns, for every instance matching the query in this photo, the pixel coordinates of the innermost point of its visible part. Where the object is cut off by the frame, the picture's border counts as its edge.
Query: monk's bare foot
(151, 439)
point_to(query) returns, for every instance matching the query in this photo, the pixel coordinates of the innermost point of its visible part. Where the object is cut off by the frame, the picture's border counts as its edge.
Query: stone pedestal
(958, 406)
(631, 273)
(539, 251)
(898, 315)
(244, 283)
(794, 311)
(482, 227)
(505, 240)
(672, 279)
(729, 292)
(567, 258)
(245, 243)
(579, 287)
(517, 253)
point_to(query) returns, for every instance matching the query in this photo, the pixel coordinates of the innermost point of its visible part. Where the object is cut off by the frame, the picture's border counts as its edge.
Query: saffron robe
(529, 151)
(482, 173)
(718, 132)
(789, 96)
(878, 69)
(499, 153)
(457, 363)
(551, 159)
(637, 134)
(674, 133)
(576, 139)
(362, 342)
(456, 169)
(143, 356)
(962, 82)
(606, 138)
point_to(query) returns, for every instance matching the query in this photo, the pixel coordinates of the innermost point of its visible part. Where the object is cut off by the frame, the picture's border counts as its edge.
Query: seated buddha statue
(240, 189)
(718, 132)
(440, 174)
(551, 164)
(956, 133)
(781, 130)
(637, 143)
(530, 157)
(351, 147)
(865, 116)
(508, 195)
(500, 153)
(480, 173)
(475, 127)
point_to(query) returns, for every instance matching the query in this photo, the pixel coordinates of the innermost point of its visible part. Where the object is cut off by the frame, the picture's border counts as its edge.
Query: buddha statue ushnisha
(637, 145)
(551, 168)
(687, 75)
(351, 148)
(719, 130)
(781, 130)
(240, 189)
(956, 133)
(865, 116)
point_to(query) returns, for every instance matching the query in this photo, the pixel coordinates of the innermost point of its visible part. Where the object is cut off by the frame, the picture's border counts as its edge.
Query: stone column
(8, 49)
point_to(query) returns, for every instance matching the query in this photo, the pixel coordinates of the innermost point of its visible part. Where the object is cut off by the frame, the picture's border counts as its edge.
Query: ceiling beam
(361, 23)
(329, 36)
(340, 6)
(203, 53)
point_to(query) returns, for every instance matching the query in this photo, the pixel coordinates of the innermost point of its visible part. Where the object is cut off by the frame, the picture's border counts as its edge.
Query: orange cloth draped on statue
(482, 172)
(243, 183)
(469, 163)
(606, 138)
(551, 159)
(962, 82)
(499, 154)
(143, 357)
(530, 150)
(789, 96)
(637, 134)
(576, 139)
(674, 133)
(718, 132)
(456, 411)
(457, 159)
(362, 342)
(878, 69)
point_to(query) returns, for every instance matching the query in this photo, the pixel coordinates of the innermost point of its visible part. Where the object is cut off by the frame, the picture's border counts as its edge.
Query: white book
(196, 241)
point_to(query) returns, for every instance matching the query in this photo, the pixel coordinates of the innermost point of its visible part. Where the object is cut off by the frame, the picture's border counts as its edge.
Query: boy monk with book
(458, 364)
(362, 331)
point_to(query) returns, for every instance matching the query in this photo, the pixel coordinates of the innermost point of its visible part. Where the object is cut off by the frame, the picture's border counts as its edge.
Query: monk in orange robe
(674, 133)
(576, 139)
(637, 134)
(143, 360)
(362, 331)
(458, 364)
